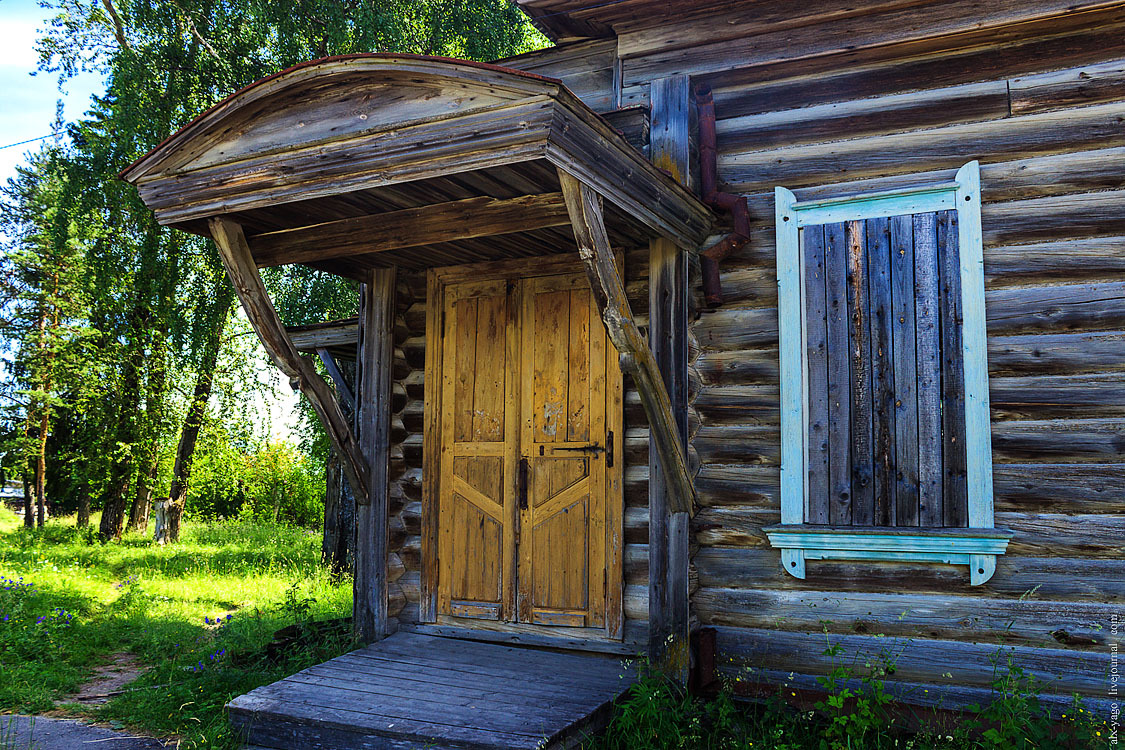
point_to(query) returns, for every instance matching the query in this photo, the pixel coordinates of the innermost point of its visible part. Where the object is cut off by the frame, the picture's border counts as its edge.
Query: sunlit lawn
(80, 602)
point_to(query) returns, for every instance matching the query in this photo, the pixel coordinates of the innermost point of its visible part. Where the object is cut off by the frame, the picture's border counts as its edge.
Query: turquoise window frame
(980, 544)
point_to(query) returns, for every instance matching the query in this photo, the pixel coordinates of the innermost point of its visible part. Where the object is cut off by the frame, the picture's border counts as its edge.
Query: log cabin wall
(875, 96)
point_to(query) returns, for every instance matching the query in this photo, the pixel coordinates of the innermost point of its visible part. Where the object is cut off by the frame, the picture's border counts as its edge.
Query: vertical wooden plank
(431, 448)
(376, 328)
(927, 332)
(512, 445)
(905, 377)
(600, 502)
(954, 490)
(816, 358)
(839, 375)
(882, 368)
(615, 495)
(862, 471)
(978, 433)
(670, 145)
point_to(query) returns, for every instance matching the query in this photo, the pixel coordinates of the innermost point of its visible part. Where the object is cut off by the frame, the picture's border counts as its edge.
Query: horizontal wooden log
(941, 662)
(1089, 259)
(1074, 87)
(1060, 488)
(1062, 217)
(411, 227)
(1022, 488)
(1057, 353)
(898, 33)
(803, 83)
(1098, 126)
(1036, 534)
(1019, 355)
(1034, 622)
(1055, 577)
(895, 113)
(1057, 397)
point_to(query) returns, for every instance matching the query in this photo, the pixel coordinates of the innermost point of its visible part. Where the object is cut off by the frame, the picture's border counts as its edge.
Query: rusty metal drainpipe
(735, 204)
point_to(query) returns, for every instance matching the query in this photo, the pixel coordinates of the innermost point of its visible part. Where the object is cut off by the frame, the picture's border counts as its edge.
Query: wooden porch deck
(420, 691)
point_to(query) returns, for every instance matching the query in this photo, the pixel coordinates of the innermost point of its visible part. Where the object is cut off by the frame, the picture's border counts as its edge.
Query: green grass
(80, 602)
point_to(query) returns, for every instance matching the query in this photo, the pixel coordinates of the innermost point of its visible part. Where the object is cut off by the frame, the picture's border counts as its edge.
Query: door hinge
(609, 449)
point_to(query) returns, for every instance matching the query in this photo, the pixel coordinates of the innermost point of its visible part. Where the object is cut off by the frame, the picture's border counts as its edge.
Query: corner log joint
(584, 207)
(243, 273)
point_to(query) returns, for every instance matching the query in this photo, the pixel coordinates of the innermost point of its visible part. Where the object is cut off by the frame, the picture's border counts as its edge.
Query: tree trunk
(169, 512)
(41, 472)
(83, 506)
(28, 506)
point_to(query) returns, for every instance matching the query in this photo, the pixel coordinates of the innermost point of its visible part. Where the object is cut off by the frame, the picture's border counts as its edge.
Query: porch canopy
(355, 162)
(368, 165)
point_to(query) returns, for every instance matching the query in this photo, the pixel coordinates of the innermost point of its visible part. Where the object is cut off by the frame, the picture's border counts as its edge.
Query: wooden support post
(333, 369)
(376, 347)
(637, 359)
(243, 273)
(668, 606)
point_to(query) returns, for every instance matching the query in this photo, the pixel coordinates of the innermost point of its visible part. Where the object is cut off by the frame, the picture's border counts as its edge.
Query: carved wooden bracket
(637, 359)
(243, 273)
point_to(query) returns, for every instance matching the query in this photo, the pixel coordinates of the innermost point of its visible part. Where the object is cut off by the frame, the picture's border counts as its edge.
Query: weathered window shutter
(885, 447)
(886, 405)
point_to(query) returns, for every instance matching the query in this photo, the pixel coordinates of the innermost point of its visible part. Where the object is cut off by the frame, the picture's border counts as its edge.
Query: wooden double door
(529, 494)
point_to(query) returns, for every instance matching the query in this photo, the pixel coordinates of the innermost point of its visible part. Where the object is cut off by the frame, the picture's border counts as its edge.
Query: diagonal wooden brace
(637, 359)
(243, 273)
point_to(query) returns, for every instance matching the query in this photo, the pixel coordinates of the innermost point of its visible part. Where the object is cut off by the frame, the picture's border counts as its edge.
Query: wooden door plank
(839, 375)
(927, 331)
(862, 447)
(882, 368)
(955, 508)
(817, 456)
(235, 254)
(431, 447)
(903, 229)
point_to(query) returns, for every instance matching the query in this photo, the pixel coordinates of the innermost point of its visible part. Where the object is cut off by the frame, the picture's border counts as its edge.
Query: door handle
(592, 448)
(523, 483)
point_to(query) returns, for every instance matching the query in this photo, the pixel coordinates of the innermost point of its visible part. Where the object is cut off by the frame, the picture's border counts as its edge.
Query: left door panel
(479, 451)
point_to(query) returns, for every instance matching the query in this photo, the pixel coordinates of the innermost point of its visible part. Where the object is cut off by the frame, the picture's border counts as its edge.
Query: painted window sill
(976, 548)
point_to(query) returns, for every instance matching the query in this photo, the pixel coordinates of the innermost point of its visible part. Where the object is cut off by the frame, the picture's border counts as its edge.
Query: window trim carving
(976, 546)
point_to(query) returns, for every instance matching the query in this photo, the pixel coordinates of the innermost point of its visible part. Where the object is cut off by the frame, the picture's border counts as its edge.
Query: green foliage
(856, 713)
(269, 481)
(132, 306)
(199, 614)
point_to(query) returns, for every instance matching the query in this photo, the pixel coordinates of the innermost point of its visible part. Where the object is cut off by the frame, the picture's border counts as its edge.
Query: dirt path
(108, 680)
(42, 733)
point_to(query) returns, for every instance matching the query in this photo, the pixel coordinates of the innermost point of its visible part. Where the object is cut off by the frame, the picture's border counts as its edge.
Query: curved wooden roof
(364, 136)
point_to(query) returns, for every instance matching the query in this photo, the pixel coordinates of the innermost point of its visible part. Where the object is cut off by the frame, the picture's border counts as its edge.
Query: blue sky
(27, 102)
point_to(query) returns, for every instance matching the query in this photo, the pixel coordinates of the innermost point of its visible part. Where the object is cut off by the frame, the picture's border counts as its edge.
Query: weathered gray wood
(839, 375)
(333, 370)
(880, 306)
(636, 358)
(955, 509)
(1073, 578)
(859, 337)
(906, 385)
(1055, 440)
(240, 267)
(910, 615)
(439, 692)
(376, 329)
(667, 337)
(818, 357)
(927, 328)
(410, 227)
